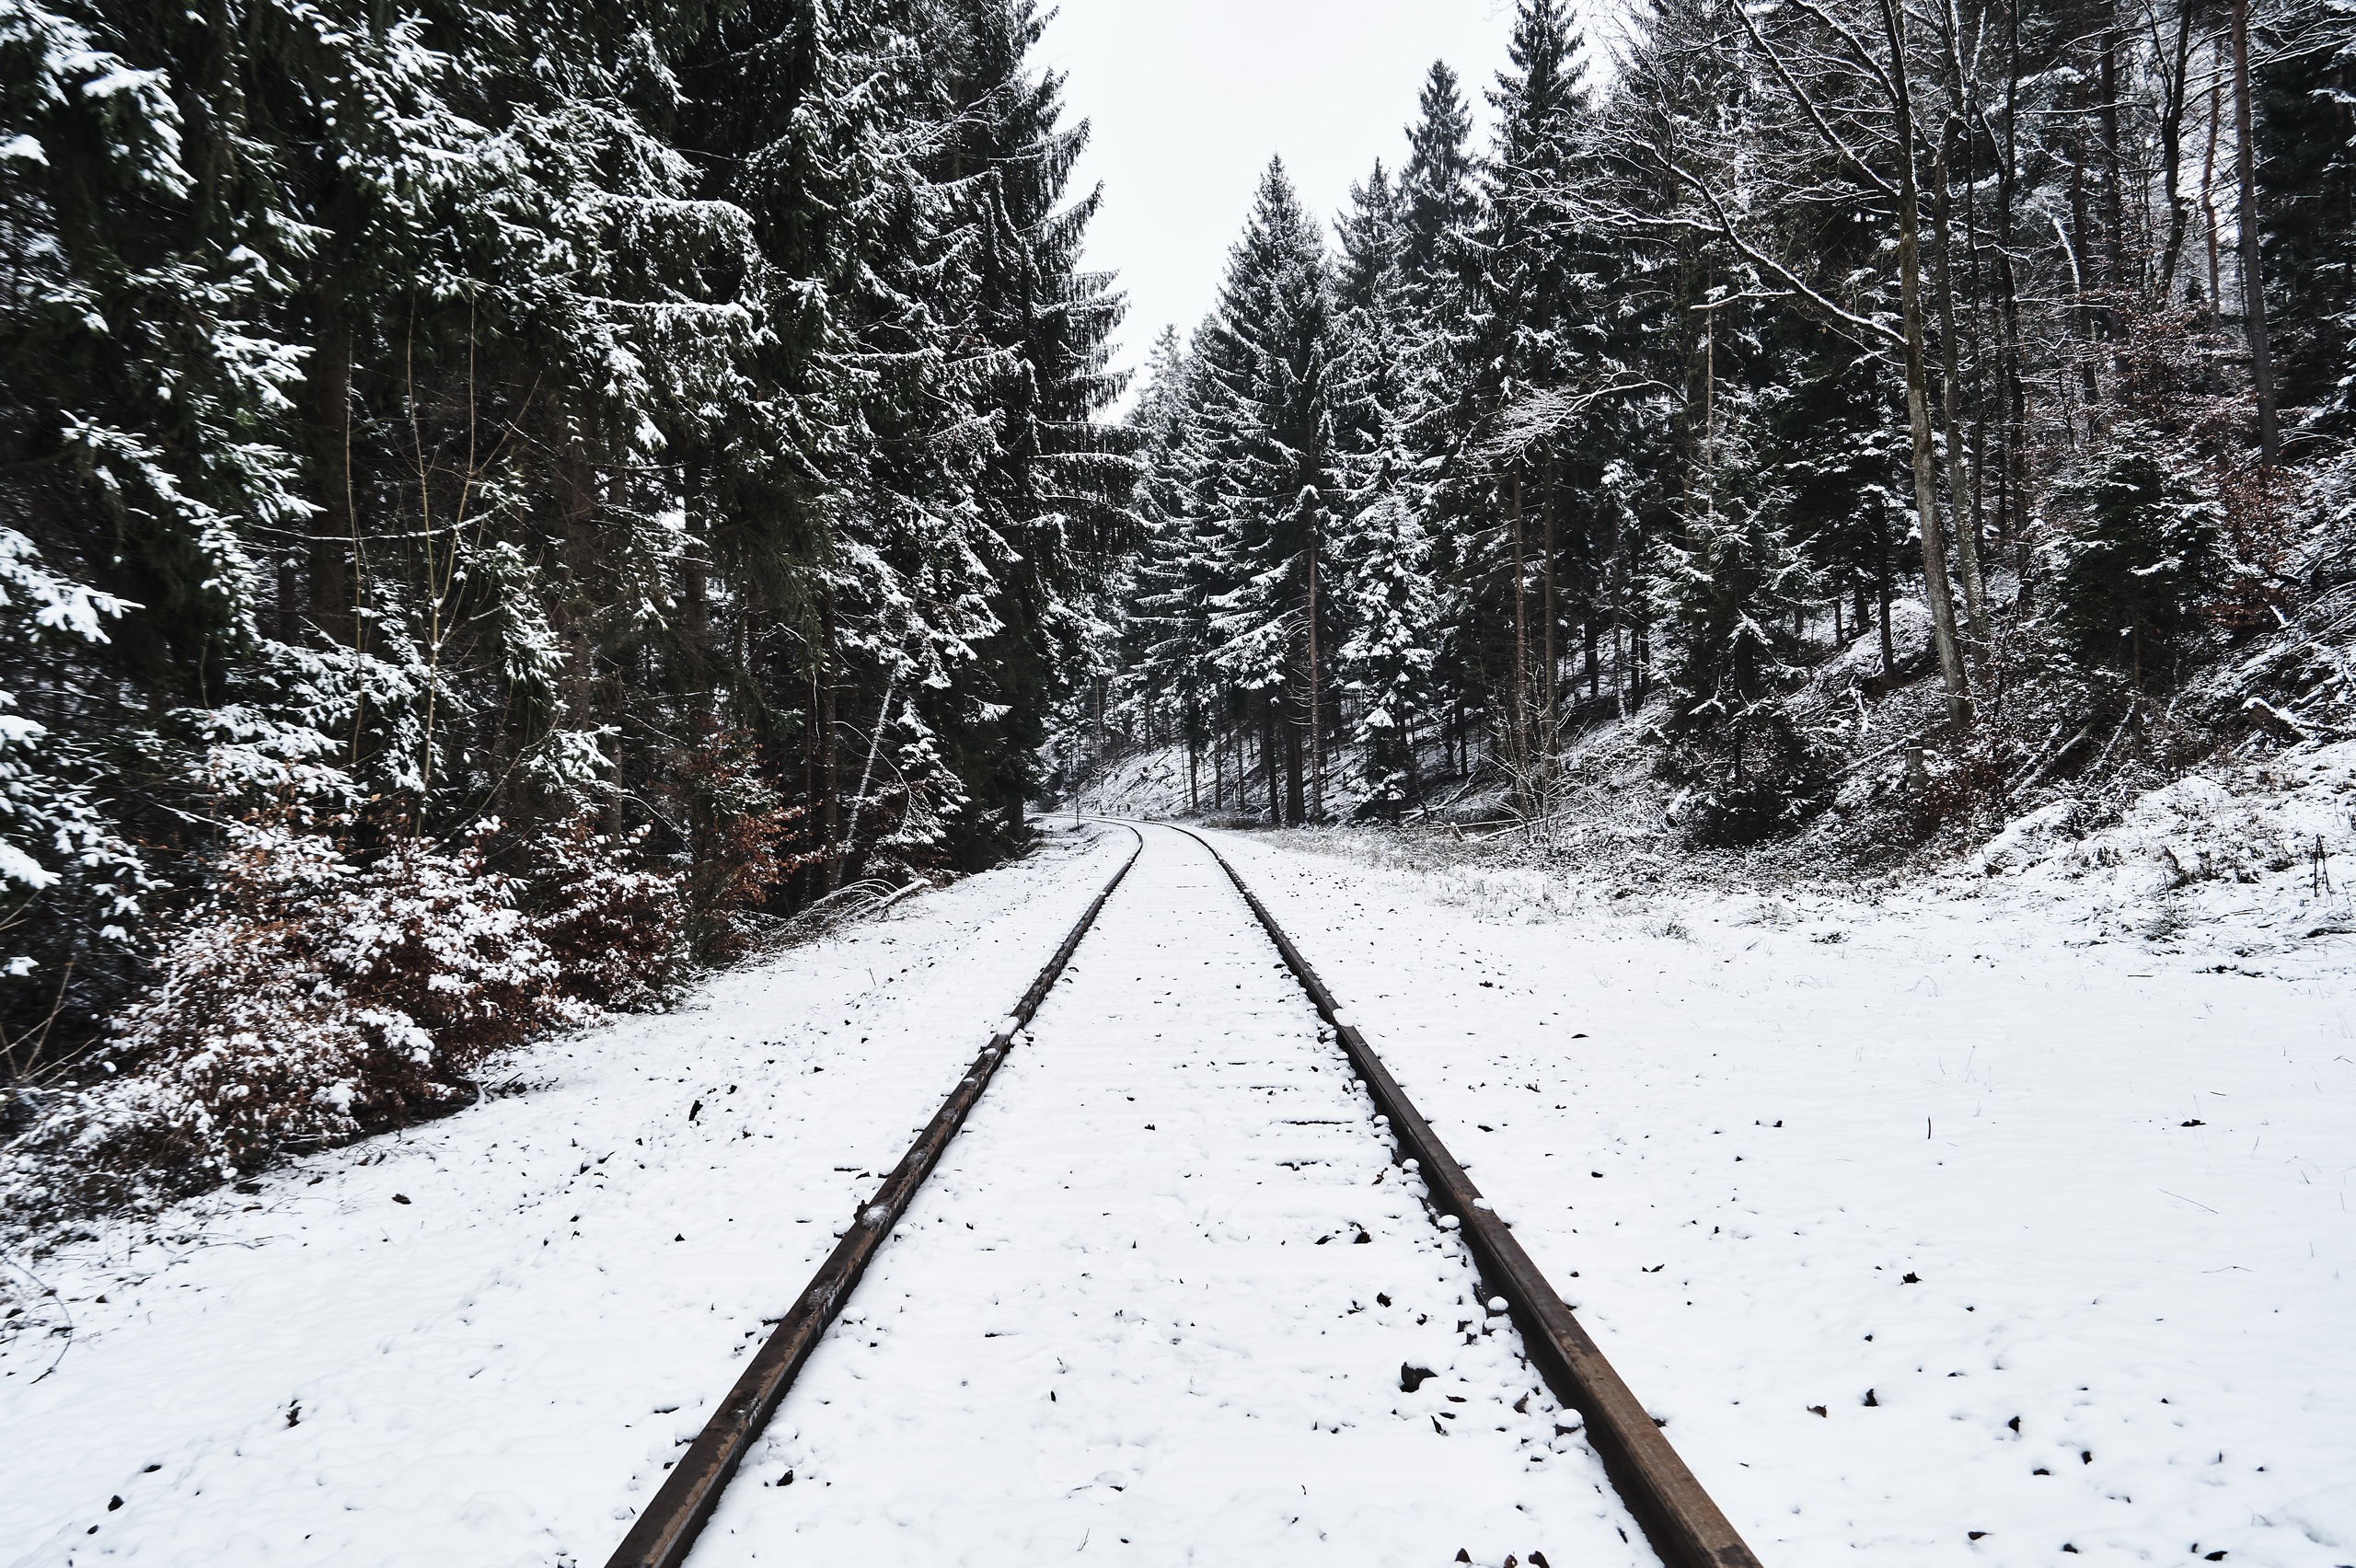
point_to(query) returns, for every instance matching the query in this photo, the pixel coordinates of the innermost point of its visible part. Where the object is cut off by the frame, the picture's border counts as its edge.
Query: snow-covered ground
(480, 1342)
(1157, 1306)
(1997, 1220)
(2048, 1159)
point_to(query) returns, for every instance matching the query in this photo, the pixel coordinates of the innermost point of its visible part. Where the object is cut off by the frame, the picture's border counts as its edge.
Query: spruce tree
(2306, 177)
(1269, 472)
(1438, 197)
(1728, 594)
(2141, 550)
(1533, 342)
(1386, 662)
(1054, 494)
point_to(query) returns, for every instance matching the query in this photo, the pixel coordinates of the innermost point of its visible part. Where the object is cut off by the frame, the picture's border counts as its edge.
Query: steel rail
(1683, 1525)
(666, 1531)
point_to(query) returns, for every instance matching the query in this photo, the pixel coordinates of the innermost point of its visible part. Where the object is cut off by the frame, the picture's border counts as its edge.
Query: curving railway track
(1198, 1285)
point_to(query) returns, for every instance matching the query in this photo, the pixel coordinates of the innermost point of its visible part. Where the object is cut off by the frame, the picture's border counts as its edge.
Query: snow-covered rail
(1684, 1526)
(665, 1532)
(1134, 1100)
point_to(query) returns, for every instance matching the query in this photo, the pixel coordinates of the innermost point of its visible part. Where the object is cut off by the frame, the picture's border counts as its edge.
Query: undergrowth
(317, 993)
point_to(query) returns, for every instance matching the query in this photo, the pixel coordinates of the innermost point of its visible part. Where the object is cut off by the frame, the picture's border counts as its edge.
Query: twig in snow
(47, 1294)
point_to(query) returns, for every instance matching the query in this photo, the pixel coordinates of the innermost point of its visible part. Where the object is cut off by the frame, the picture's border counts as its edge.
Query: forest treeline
(2025, 325)
(503, 505)
(497, 500)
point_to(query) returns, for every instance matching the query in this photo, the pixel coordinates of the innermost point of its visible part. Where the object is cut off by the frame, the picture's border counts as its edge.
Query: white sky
(1189, 98)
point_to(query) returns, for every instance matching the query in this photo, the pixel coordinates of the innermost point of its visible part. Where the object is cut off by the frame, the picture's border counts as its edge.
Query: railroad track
(1684, 1528)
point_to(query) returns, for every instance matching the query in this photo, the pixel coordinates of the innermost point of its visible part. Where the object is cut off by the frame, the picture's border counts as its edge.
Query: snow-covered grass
(1969, 1221)
(481, 1341)
(1956, 1219)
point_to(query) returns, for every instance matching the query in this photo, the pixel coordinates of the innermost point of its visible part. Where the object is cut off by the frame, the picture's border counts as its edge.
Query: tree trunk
(695, 585)
(2261, 362)
(1295, 803)
(1882, 594)
(2011, 519)
(2114, 166)
(830, 800)
(1520, 723)
(328, 387)
(2171, 107)
(2081, 256)
(1316, 693)
(2209, 194)
(1966, 541)
(1268, 762)
(1550, 685)
(1917, 403)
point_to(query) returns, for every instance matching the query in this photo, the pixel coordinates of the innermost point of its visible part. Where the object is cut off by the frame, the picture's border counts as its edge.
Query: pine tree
(1438, 197)
(1831, 440)
(1268, 475)
(1390, 608)
(2141, 552)
(1728, 595)
(1438, 208)
(1526, 292)
(1533, 342)
(1171, 661)
(1387, 661)
(2306, 176)
(1054, 498)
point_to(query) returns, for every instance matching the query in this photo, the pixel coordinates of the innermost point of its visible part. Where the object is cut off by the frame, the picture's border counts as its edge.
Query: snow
(1159, 1297)
(479, 1341)
(1846, 1182)
(2253, 872)
(1977, 1152)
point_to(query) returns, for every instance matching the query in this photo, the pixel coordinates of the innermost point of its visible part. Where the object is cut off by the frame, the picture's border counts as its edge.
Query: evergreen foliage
(683, 435)
(1731, 595)
(2142, 548)
(686, 420)
(1804, 351)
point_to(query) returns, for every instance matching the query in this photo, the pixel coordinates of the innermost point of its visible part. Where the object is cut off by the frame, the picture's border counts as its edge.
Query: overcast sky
(1190, 98)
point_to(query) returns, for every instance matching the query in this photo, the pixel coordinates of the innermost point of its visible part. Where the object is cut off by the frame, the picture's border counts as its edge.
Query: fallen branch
(2052, 761)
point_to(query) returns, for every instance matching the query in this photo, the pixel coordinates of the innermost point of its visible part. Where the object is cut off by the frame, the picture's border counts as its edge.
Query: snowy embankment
(1150, 785)
(2001, 1218)
(481, 1341)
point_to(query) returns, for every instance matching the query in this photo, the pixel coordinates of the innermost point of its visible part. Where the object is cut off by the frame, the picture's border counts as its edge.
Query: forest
(1962, 378)
(502, 506)
(505, 507)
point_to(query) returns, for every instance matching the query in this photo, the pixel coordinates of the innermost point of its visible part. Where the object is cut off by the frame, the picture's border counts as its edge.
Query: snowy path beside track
(319, 1373)
(1155, 1304)
(2075, 1220)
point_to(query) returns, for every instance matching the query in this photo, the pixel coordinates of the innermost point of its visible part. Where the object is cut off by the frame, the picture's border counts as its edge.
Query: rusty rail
(1684, 1526)
(666, 1531)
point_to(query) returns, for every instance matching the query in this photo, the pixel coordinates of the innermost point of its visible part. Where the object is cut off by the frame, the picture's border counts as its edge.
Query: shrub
(307, 1000)
(614, 928)
(742, 843)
